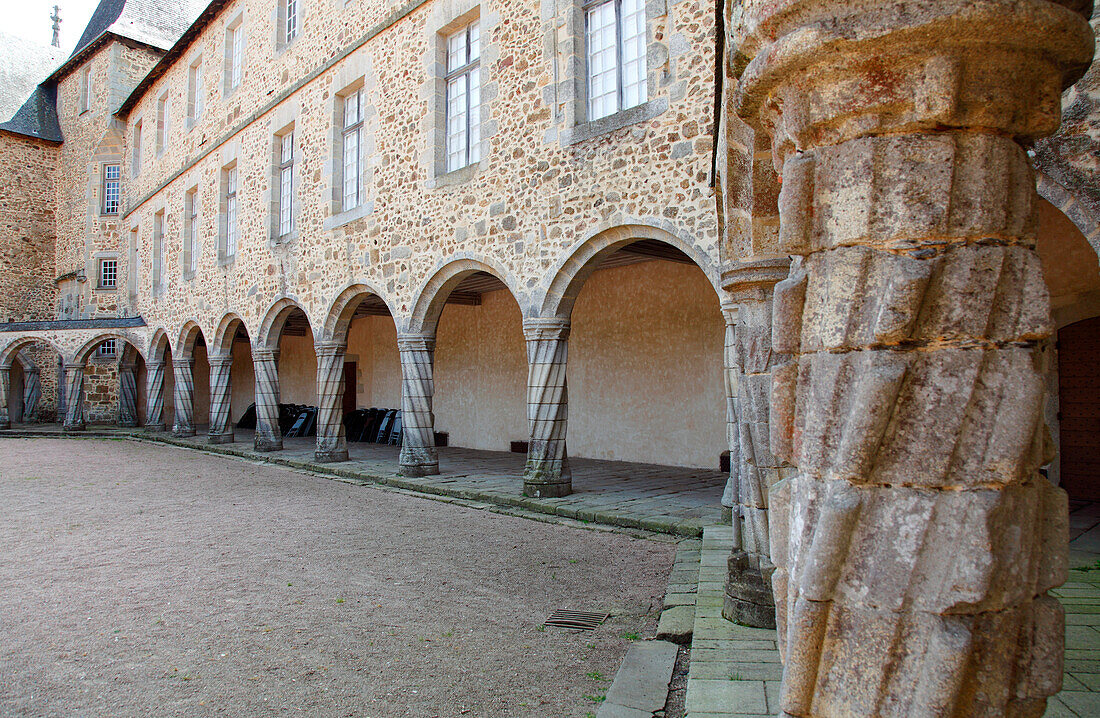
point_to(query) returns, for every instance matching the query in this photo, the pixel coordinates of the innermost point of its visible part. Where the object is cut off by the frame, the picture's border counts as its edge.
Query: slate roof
(23, 64)
(38, 115)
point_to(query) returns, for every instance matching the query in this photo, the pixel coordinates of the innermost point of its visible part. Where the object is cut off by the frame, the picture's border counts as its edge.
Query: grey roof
(151, 22)
(38, 115)
(107, 323)
(23, 64)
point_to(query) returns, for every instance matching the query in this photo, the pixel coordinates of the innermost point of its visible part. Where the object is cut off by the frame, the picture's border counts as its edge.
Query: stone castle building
(448, 206)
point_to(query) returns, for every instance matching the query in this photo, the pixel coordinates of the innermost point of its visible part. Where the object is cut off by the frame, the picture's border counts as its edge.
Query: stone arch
(188, 336)
(272, 325)
(158, 343)
(223, 336)
(339, 316)
(1070, 206)
(449, 274)
(81, 354)
(11, 350)
(577, 264)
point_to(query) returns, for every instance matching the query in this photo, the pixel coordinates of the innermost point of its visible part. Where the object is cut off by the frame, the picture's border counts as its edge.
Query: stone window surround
(565, 40)
(101, 203)
(96, 263)
(278, 17)
(357, 73)
(164, 121)
(133, 261)
(157, 256)
(190, 254)
(229, 160)
(444, 19)
(193, 118)
(283, 120)
(85, 89)
(235, 23)
(136, 139)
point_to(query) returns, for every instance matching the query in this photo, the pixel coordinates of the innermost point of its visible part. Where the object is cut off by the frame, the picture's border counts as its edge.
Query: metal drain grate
(581, 620)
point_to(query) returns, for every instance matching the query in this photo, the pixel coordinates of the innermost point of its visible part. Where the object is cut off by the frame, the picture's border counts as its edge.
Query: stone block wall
(27, 228)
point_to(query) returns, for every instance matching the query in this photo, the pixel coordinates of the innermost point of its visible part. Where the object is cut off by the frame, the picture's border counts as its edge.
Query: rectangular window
(615, 41)
(85, 89)
(463, 97)
(111, 189)
(108, 273)
(291, 13)
(191, 231)
(234, 55)
(162, 122)
(133, 270)
(158, 251)
(195, 91)
(286, 184)
(231, 212)
(352, 139)
(108, 348)
(135, 156)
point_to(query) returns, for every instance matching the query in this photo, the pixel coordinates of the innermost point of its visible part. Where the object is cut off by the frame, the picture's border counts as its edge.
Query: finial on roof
(56, 17)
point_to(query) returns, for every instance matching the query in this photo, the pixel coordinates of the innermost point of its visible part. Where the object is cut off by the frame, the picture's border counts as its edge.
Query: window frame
(158, 252)
(196, 95)
(346, 131)
(586, 8)
(284, 177)
(164, 111)
(291, 26)
(135, 152)
(85, 89)
(107, 349)
(104, 206)
(191, 219)
(102, 281)
(230, 231)
(465, 70)
(233, 70)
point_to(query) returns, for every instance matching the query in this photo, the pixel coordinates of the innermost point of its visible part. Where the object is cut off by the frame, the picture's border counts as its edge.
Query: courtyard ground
(140, 580)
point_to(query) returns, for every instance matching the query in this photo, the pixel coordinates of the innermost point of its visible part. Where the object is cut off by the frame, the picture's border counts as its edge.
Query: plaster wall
(372, 344)
(297, 370)
(242, 379)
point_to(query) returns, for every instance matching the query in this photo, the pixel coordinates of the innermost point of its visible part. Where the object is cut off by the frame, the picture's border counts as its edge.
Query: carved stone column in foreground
(268, 436)
(154, 395)
(127, 395)
(748, 597)
(32, 393)
(729, 376)
(332, 443)
(183, 395)
(74, 397)
(5, 393)
(418, 453)
(917, 542)
(547, 471)
(221, 392)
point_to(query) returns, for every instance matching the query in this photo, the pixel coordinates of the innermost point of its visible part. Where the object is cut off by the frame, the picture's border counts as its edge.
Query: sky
(30, 19)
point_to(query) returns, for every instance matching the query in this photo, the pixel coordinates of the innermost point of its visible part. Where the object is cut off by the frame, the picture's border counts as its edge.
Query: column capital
(416, 341)
(747, 278)
(220, 359)
(730, 311)
(155, 364)
(535, 328)
(187, 361)
(75, 366)
(264, 354)
(330, 348)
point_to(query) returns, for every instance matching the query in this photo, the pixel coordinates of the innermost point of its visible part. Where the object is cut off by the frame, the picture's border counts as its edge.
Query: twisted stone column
(729, 377)
(418, 453)
(547, 471)
(221, 392)
(5, 392)
(332, 443)
(154, 395)
(917, 542)
(127, 395)
(32, 393)
(74, 397)
(183, 395)
(268, 435)
(748, 597)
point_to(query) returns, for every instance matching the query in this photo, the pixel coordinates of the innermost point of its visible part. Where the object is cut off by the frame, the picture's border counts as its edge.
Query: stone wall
(27, 228)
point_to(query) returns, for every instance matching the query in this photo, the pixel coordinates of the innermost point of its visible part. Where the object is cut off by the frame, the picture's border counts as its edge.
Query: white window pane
(475, 41)
(286, 152)
(456, 50)
(285, 215)
(351, 109)
(351, 169)
(475, 115)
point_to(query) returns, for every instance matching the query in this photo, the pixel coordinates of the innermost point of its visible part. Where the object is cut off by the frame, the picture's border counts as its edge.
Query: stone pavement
(735, 671)
(662, 499)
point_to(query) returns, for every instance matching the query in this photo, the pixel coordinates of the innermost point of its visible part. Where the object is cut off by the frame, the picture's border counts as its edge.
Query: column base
(540, 490)
(727, 515)
(749, 600)
(226, 438)
(414, 470)
(71, 428)
(330, 457)
(182, 433)
(5, 424)
(267, 444)
(151, 428)
(128, 424)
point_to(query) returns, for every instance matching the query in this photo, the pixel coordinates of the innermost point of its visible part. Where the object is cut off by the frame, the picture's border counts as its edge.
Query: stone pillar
(5, 392)
(748, 597)
(916, 544)
(547, 471)
(268, 435)
(183, 396)
(221, 391)
(332, 443)
(32, 393)
(418, 453)
(154, 395)
(729, 376)
(127, 395)
(74, 397)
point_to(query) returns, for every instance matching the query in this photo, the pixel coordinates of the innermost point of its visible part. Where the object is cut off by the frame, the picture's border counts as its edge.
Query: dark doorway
(350, 373)
(1079, 408)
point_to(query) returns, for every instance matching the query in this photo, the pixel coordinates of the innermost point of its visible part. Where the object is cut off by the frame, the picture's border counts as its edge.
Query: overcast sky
(30, 19)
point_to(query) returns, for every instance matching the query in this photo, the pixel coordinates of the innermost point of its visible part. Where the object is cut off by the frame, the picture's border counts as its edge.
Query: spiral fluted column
(221, 392)
(547, 471)
(154, 395)
(127, 395)
(74, 397)
(915, 545)
(183, 396)
(5, 393)
(268, 435)
(418, 453)
(332, 443)
(729, 379)
(32, 393)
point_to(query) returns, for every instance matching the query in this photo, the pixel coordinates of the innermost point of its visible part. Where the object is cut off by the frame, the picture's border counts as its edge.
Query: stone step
(640, 688)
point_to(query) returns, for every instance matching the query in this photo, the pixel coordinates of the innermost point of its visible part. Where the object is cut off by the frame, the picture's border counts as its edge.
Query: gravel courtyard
(141, 580)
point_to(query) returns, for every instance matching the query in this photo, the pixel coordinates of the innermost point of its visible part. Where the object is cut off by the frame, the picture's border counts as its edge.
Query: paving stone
(1057, 709)
(727, 670)
(732, 696)
(642, 680)
(676, 624)
(1083, 703)
(612, 710)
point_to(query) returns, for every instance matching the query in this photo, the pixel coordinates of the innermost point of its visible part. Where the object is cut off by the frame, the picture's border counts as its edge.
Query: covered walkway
(663, 499)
